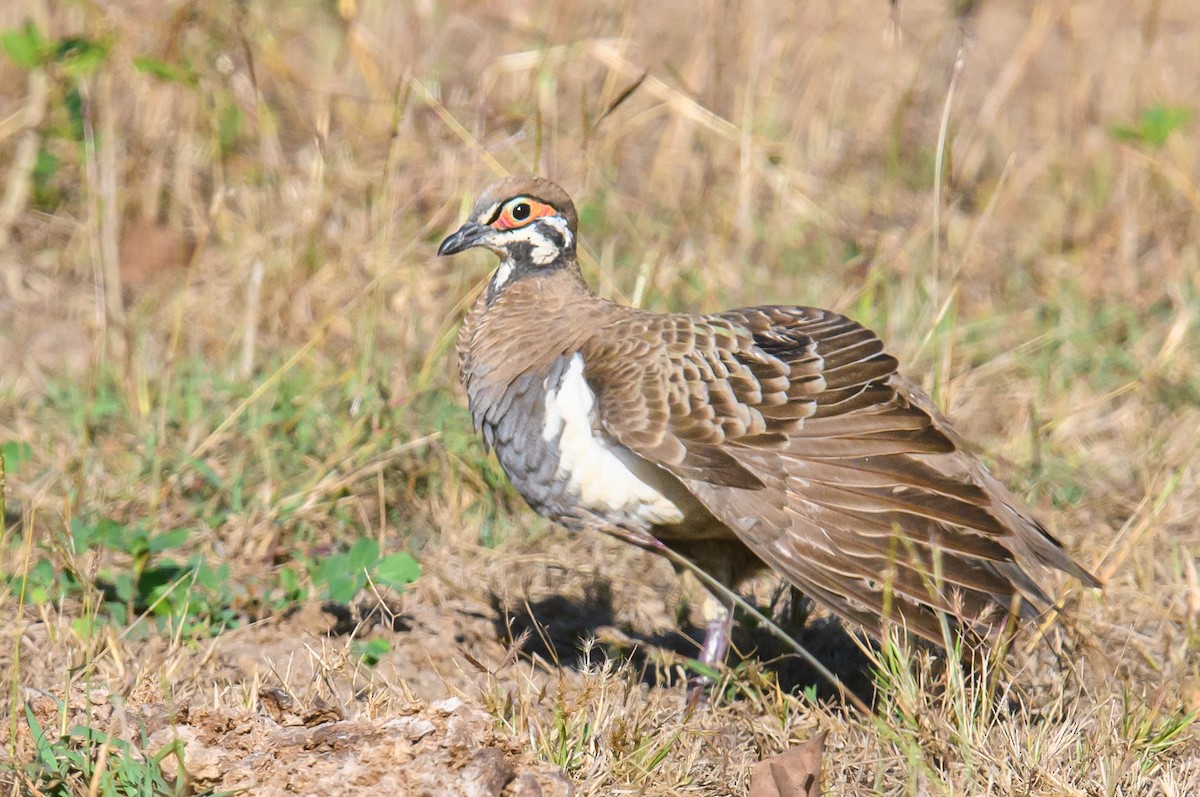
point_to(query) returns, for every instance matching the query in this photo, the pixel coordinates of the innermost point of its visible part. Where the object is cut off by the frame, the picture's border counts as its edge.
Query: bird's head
(529, 222)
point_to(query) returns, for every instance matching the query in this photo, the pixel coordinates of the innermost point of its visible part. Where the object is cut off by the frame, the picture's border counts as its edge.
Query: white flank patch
(594, 473)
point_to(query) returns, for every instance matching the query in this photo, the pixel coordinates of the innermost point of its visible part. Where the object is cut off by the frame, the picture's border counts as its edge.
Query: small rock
(486, 774)
(203, 762)
(447, 706)
(412, 728)
(556, 784)
(461, 732)
(524, 786)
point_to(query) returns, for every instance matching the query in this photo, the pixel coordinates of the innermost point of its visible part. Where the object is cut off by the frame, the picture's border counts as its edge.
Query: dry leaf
(276, 703)
(322, 712)
(795, 772)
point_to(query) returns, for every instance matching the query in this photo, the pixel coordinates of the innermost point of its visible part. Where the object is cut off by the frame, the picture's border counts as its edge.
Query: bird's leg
(718, 628)
(716, 639)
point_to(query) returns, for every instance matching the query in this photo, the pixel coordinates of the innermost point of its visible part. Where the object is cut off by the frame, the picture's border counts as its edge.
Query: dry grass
(220, 312)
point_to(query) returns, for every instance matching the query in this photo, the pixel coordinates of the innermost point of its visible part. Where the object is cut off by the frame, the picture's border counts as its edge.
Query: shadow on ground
(556, 627)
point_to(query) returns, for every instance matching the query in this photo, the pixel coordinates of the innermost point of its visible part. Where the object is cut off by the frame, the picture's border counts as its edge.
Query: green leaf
(1159, 122)
(1155, 126)
(25, 46)
(133, 541)
(73, 102)
(84, 627)
(700, 668)
(15, 453)
(102, 533)
(171, 539)
(362, 556)
(44, 168)
(123, 587)
(96, 738)
(214, 579)
(45, 751)
(341, 588)
(342, 578)
(371, 651)
(208, 473)
(345, 574)
(114, 536)
(164, 70)
(116, 612)
(397, 570)
(79, 57)
(174, 748)
(155, 582)
(289, 582)
(42, 573)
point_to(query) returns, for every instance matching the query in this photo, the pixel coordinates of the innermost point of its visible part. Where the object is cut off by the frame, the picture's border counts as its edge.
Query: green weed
(85, 760)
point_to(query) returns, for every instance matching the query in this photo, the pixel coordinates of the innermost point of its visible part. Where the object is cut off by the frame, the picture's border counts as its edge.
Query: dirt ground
(292, 710)
(286, 706)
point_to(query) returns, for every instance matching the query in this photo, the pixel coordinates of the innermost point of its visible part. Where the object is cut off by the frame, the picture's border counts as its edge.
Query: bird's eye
(519, 212)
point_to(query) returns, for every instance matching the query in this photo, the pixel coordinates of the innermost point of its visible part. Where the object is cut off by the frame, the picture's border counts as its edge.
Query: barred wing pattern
(792, 427)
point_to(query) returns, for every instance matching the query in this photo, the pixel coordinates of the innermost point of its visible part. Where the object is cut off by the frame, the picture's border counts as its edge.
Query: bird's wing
(793, 428)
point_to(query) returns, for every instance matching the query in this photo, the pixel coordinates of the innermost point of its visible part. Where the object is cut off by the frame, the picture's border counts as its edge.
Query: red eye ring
(528, 209)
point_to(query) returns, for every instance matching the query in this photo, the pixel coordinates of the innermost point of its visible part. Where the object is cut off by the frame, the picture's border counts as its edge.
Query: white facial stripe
(542, 250)
(486, 216)
(592, 470)
(503, 274)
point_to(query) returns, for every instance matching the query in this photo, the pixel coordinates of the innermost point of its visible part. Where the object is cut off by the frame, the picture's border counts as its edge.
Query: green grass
(296, 458)
(84, 759)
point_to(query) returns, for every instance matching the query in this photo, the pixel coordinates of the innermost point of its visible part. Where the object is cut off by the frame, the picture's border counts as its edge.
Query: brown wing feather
(793, 428)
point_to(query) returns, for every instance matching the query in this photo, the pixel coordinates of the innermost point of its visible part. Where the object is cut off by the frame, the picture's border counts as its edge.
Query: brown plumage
(767, 436)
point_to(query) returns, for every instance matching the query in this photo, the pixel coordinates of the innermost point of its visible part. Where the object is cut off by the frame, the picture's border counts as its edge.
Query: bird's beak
(470, 234)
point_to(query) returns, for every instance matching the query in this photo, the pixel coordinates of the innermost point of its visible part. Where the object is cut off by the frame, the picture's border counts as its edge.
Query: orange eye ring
(521, 211)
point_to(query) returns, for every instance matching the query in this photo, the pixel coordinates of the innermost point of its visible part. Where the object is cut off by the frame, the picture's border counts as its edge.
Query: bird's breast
(545, 433)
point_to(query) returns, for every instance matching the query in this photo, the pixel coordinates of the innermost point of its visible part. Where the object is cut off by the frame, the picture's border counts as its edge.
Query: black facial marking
(553, 236)
(520, 251)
